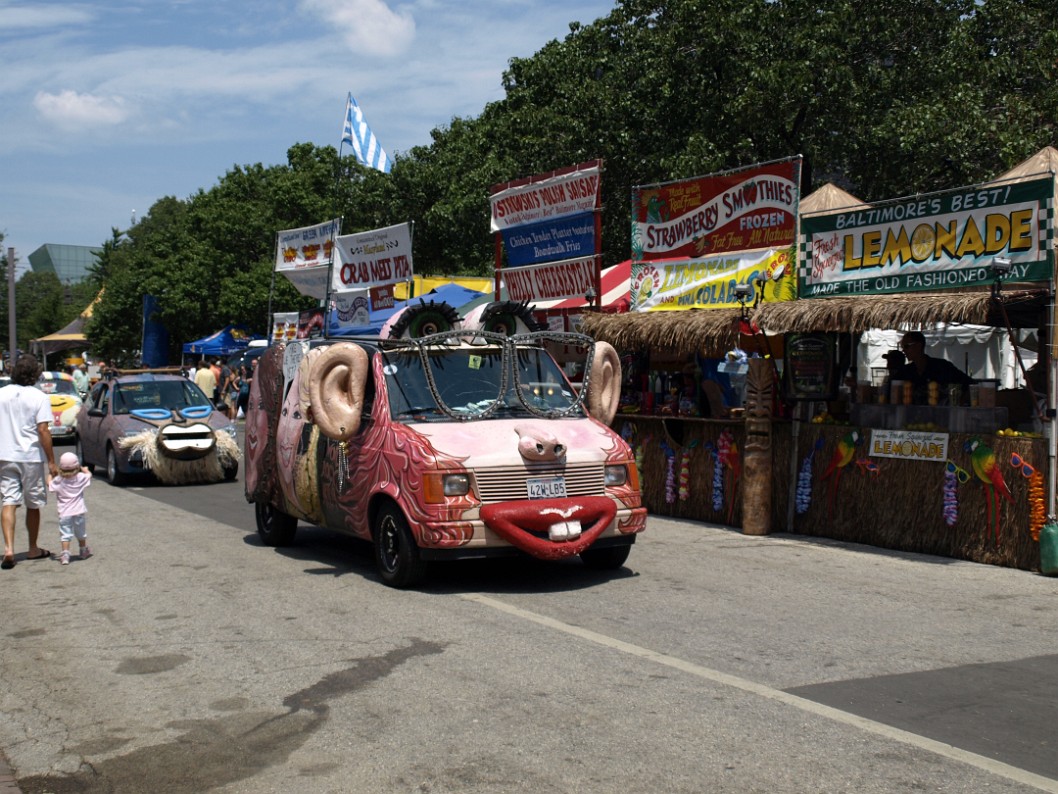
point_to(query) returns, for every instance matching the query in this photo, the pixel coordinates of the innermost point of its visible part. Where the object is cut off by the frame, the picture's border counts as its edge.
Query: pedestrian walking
(25, 450)
(205, 380)
(69, 488)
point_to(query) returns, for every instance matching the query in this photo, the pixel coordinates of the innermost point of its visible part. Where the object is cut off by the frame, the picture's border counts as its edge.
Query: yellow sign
(716, 282)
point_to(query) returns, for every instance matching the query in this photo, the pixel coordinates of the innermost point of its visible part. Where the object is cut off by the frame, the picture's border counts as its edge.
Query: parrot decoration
(983, 461)
(842, 457)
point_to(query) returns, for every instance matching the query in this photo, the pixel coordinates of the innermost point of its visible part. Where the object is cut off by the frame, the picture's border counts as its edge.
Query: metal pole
(11, 338)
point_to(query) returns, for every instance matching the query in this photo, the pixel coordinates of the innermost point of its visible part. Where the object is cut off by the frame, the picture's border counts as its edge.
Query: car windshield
(469, 383)
(170, 394)
(56, 386)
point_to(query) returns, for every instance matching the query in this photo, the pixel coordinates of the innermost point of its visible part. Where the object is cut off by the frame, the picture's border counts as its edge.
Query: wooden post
(756, 482)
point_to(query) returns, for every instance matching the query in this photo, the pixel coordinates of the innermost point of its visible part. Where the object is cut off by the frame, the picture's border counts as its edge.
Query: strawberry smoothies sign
(370, 259)
(304, 256)
(752, 208)
(549, 224)
(936, 241)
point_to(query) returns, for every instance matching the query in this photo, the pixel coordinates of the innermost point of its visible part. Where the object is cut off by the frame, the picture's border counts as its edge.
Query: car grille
(508, 483)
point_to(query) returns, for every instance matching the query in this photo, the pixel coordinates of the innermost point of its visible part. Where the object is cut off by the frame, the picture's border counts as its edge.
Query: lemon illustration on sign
(922, 242)
(644, 292)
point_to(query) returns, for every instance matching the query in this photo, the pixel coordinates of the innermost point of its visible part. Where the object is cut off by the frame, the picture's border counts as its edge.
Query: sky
(106, 107)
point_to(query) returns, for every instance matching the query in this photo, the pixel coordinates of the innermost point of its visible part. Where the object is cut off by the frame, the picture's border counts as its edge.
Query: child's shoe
(86, 552)
(64, 558)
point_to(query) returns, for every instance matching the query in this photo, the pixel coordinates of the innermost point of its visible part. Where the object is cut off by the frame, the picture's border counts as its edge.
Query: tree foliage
(885, 99)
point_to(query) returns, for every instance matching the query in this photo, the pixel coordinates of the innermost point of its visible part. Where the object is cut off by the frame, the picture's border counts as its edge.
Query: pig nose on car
(535, 444)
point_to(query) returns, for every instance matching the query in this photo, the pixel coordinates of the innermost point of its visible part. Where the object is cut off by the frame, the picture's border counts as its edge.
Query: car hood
(500, 442)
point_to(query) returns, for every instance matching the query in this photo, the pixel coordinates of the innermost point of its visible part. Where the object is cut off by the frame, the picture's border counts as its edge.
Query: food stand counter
(679, 459)
(923, 491)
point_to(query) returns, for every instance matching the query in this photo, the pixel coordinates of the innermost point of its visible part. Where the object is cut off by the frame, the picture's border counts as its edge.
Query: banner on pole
(304, 256)
(370, 259)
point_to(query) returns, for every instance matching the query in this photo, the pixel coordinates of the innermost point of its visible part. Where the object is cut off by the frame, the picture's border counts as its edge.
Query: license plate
(546, 487)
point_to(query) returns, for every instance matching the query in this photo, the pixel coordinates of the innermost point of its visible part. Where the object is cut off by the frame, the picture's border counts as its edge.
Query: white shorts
(71, 527)
(23, 482)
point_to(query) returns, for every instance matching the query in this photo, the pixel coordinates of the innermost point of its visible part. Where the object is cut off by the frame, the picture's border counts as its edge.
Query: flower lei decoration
(1037, 502)
(726, 455)
(953, 475)
(804, 478)
(718, 477)
(685, 470)
(951, 499)
(670, 472)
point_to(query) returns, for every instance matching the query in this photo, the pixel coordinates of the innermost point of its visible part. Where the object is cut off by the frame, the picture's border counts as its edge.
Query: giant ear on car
(336, 389)
(604, 383)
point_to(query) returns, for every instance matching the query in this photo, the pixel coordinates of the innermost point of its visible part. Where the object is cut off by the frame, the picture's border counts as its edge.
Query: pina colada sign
(940, 241)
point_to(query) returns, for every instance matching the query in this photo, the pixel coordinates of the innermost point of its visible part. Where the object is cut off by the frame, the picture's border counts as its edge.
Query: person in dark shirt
(920, 369)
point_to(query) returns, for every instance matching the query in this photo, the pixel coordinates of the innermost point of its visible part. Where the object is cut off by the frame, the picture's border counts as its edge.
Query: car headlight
(616, 475)
(437, 486)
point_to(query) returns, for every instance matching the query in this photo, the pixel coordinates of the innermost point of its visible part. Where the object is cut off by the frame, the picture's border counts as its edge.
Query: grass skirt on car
(209, 468)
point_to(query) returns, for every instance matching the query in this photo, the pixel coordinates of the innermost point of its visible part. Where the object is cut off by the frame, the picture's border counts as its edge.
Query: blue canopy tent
(228, 340)
(453, 294)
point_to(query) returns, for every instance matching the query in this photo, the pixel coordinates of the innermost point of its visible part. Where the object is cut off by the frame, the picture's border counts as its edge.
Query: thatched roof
(829, 198)
(859, 313)
(711, 332)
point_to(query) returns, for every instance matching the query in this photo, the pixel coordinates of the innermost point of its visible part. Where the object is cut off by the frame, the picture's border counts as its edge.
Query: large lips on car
(186, 442)
(525, 523)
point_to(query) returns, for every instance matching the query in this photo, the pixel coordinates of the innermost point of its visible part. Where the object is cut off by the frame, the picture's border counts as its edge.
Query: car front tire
(396, 553)
(114, 474)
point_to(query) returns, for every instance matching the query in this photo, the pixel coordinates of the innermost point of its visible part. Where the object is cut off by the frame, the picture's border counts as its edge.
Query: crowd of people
(228, 387)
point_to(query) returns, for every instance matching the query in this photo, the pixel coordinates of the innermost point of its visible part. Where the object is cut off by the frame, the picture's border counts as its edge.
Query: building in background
(71, 263)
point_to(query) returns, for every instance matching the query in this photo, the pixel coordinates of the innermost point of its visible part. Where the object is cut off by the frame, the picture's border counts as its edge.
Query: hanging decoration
(685, 470)
(867, 467)
(718, 477)
(1037, 503)
(842, 457)
(670, 472)
(954, 475)
(804, 478)
(983, 461)
(727, 452)
(640, 453)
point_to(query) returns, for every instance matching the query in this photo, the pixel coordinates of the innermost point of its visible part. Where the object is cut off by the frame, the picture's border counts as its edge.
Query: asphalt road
(186, 657)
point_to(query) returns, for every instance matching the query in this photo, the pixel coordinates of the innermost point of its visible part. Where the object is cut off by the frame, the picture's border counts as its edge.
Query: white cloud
(52, 16)
(369, 27)
(70, 109)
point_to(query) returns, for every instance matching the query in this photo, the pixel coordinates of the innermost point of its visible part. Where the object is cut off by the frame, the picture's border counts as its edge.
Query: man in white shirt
(25, 447)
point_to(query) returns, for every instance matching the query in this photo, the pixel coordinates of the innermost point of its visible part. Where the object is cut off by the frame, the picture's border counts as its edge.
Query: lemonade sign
(936, 241)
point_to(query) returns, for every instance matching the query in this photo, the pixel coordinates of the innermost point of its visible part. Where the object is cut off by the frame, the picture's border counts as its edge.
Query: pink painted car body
(452, 464)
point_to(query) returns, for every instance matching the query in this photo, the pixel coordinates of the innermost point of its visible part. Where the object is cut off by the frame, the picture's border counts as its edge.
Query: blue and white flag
(359, 135)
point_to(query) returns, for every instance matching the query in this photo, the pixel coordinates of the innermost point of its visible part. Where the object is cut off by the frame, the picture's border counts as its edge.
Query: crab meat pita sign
(743, 210)
(370, 259)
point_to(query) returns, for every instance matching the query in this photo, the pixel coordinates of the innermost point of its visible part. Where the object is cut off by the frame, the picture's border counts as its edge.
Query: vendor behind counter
(922, 369)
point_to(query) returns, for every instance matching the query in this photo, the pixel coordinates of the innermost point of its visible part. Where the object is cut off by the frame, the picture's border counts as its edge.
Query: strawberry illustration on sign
(749, 193)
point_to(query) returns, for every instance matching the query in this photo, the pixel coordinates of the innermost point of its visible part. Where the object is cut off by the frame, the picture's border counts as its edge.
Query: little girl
(68, 488)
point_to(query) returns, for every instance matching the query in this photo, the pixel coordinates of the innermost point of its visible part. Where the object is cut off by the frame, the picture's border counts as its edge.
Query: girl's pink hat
(68, 461)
